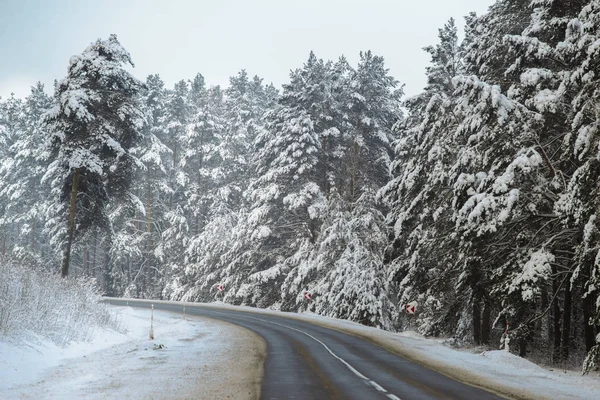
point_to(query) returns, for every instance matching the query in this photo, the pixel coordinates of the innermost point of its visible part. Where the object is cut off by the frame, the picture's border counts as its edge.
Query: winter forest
(477, 198)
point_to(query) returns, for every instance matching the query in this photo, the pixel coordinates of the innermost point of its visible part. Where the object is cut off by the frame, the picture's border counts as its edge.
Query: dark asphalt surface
(310, 362)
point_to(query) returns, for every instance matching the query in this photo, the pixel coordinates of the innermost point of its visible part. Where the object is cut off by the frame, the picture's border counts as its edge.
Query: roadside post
(152, 324)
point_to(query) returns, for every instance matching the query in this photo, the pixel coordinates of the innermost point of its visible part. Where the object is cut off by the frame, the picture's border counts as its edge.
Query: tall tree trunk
(84, 259)
(486, 323)
(546, 322)
(149, 205)
(353, 180)
(566, 331)
(174, 177)
(522, 346)
(34, 225)
(575, 313)
(71, 229)
(354, 161)
(199, 185)
(556, 318)
(588, 329)
(108, 277)
(476, 322)
(325, 149)
(95, 249)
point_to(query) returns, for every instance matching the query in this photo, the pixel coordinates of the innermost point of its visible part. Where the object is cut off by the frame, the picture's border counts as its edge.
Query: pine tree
(578, 206)
(374, 109)
(420, 196)
(94, 125)
(286, 198)
(177, 119)
(496, 190)
(12, 122)
(227, 130)
(356, 286)
(24, 182)
(201, 161)
(539, 69)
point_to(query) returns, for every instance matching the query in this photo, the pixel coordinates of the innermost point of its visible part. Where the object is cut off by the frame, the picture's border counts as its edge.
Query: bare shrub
(39, 303)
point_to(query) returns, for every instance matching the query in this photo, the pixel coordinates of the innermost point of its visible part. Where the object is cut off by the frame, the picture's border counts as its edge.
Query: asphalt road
(310, 362)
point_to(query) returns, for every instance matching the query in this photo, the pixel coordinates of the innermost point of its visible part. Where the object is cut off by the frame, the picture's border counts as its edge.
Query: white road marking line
(350, 367)
(376, 386)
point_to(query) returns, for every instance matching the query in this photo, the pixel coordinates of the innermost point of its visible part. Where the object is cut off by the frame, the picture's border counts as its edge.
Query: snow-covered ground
(192, 358)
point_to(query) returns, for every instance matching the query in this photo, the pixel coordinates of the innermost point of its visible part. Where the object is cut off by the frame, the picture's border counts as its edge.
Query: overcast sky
(179, 38)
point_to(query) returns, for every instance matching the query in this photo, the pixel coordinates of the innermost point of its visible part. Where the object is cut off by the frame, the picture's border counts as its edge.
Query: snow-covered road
(192, 358)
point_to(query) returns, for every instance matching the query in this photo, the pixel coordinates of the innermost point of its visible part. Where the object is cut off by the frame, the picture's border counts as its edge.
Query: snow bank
(192, 358)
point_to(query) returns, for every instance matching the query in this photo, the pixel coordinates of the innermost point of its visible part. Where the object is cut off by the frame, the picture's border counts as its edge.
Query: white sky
(179, 38)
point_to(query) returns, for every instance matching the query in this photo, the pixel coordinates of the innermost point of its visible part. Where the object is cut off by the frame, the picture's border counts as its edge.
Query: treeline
(494, 200)
(476, 198)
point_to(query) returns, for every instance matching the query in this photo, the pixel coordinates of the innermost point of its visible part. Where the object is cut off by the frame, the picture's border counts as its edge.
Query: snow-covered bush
(39, 303)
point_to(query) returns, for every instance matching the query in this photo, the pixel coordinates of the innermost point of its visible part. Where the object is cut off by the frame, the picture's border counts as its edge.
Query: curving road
(307, 361)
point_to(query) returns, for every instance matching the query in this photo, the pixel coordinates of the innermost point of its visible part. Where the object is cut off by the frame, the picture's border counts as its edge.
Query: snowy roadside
(498, 371)
(199, 358)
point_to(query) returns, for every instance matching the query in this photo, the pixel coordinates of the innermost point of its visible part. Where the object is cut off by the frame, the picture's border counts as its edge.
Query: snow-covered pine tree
(286, 197)
(156, 188)
(93, 126)
(498, 175)
(374, 109)
(202, 168)
(419, 195)
(177, 119)
(579, 205)
(311, 263)
(211, 250)
(13, 127)
(347, 99)
(538, 72)
(245, 104)
(24, 183)
(175, 222)
(356, 286)
(134, 269)
(446, 60)
(201, 159)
